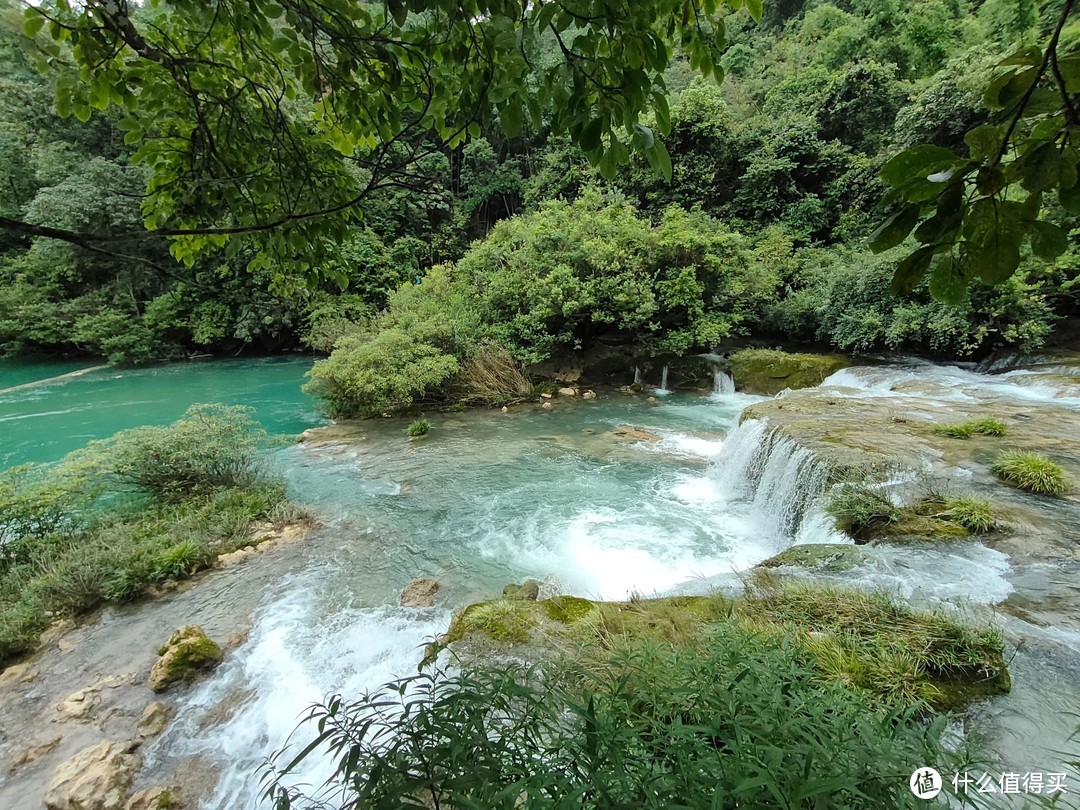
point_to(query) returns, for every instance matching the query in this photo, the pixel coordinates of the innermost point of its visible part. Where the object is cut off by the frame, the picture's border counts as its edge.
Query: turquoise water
(20, 372)
(44, 422)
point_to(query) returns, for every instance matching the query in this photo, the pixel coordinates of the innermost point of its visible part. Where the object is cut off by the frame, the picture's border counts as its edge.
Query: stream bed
(486, 499)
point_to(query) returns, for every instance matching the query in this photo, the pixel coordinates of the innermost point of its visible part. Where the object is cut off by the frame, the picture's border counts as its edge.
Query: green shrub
(740, 717)
(985, 426)
(860, 508)
(209, 447)
(418, 428)
(1031, 471)
(178, 561)
(974, 514)
(367, 375)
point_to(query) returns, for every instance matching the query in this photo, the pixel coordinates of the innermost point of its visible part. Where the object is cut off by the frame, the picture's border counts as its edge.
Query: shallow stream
(490, 498)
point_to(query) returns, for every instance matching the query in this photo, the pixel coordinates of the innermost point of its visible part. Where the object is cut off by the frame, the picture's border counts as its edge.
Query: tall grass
(1031, 471)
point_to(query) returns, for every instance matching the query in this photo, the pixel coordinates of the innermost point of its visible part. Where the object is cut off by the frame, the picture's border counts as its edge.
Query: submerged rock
(187, 653)
(589, 395)
(420, 593)
(567, 392)
(769, 371)
(97, 778)
(634, 434)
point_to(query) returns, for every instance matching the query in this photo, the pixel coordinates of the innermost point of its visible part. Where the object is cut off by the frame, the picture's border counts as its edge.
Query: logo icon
(925, 783)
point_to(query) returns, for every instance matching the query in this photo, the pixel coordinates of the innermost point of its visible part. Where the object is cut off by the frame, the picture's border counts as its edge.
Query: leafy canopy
(275, 119)
(973, 214)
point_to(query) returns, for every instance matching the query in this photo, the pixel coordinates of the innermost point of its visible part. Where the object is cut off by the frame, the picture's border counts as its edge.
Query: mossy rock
(770, 371)
(831, 558)
(527, 591)
(187, 653)
(912, 525)
(886, 650)
(566, 609)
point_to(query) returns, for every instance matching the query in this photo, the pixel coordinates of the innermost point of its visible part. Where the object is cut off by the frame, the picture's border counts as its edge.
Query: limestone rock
(18, 673)
(78, 705)
(567, 392)
(505, 409)
(420, 593)
(546, 406)
(527, 591)
(35, 752)
(97, 778)
(155, 798)
(236, 557)
(589, 395)
(545, 395)
(153, 719)
(187, 652)
(769, 371)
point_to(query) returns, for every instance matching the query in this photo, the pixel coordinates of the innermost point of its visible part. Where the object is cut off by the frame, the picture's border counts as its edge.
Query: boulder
(527, 591)
(567, 392)
(420, 593)
(97, 778)
(547, 406)
(546, 395)
(187, 653)
(769, 371)
(153, 719)
(589, 395)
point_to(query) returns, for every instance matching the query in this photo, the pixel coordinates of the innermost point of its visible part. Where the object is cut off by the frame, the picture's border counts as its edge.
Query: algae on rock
(770, 371)
(188, 652)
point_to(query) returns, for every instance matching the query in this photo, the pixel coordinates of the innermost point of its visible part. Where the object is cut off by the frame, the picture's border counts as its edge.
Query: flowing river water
(486, 499)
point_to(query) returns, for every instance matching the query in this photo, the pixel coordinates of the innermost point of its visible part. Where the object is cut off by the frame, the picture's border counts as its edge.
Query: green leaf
(1048, 241)
(663, 113)
(1039, 168)
(1070, 199)
(994, 263)
(984, 142)
(34, 23)
(589, 139)
(910, 271)
(945, 282)
(919, 161)
(546, 14)
(663, 159)
(895, 229)
(755, 9)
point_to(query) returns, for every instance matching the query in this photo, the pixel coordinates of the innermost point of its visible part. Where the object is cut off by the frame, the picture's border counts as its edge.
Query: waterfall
(663, 379)
(782, 481)
(637, 375)
(722, 384)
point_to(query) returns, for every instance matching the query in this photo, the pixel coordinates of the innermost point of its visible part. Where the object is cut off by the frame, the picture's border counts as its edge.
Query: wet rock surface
(97, 778)
(420, 593)
(187, 654)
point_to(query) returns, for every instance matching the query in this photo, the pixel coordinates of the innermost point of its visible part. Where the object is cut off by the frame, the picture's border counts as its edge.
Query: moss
(889, 652)
(507, 621)
(925, 527)
(199, 653)
(566, 609)
(769, 371)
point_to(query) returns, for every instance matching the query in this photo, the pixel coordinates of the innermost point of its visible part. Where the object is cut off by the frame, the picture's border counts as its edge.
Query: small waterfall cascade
(722, 384)
(637, 375)
(782, 481)
(663, 379)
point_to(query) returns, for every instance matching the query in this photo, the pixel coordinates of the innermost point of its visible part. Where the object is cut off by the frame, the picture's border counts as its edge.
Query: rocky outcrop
(420, 593)
(188, 653)
(770, 371)
(97, 778)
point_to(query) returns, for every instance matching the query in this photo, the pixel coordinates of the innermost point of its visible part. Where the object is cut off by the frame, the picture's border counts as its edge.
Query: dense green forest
(761, 231)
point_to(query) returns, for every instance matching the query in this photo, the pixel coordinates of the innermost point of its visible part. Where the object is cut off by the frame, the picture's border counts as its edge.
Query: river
(486, 499)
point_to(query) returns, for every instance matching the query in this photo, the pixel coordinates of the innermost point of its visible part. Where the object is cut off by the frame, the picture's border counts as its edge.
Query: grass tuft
(974, 514)
(859, 508)
(985, 426)
(1031, 471)
(421, 427)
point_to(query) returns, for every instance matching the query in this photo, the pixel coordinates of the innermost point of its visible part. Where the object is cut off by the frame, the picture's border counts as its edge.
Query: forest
(760, 232)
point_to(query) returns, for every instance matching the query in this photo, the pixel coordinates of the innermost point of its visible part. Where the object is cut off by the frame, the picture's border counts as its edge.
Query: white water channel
(491, 499)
